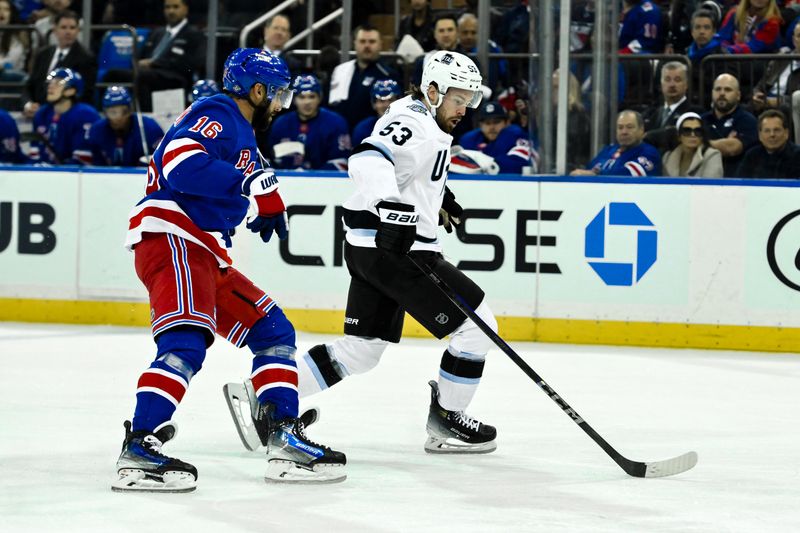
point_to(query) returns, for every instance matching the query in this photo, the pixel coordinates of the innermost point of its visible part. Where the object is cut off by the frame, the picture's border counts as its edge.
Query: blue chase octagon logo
(641, 254)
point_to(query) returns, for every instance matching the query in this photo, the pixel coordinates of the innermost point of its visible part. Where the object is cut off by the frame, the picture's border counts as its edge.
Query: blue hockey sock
(162, 386)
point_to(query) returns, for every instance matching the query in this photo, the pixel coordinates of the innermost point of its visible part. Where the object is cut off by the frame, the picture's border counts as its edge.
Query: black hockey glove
(451, 211)
(397, 228)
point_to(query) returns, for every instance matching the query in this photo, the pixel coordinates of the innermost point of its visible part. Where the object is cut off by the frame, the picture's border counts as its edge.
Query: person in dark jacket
(776, 157)
(731, 129)
(418, 24)
(68, 53)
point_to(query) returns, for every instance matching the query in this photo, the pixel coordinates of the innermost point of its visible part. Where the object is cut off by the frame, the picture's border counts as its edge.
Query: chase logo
(637, 256)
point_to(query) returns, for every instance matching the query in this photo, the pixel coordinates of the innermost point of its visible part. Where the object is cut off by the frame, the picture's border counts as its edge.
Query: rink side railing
(665, 262)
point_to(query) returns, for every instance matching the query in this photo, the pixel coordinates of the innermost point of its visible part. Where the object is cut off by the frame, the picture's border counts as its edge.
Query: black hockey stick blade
(668, 467)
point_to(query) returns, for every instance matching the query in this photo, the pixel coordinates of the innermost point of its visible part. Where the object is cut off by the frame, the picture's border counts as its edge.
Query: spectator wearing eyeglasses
(693, 156)
(776, 157)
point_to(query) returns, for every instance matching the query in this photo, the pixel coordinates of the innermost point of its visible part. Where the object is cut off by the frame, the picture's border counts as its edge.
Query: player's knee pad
(272, 331)
(181, 350)
(358, 354)
(469, 340)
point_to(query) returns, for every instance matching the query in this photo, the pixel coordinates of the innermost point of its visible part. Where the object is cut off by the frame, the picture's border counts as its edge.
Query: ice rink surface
(65, 391)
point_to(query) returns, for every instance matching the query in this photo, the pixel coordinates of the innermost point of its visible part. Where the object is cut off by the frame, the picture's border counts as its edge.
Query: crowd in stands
(682, 114)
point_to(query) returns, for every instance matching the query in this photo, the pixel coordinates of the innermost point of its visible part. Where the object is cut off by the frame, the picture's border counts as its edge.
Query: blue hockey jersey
(194, 179)
(10, 151)
(64, 134)
(363, 129)
(108, 149)
(326, 141)
(511, 149)
(641, 31)
(637, 161)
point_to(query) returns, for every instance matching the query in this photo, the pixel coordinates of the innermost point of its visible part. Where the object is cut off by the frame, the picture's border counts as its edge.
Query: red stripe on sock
(158, 381)
(274, 375)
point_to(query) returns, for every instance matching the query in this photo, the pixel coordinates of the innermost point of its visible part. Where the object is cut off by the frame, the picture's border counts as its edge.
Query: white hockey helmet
(452, 70)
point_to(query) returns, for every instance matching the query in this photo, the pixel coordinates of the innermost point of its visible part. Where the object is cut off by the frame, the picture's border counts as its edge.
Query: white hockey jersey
(405, 159)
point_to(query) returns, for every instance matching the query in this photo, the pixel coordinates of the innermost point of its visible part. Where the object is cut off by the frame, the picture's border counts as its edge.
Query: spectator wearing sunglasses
(693, 156)
(775, 157)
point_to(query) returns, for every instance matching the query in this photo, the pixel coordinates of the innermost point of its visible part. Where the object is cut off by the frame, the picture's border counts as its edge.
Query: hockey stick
(668, 467)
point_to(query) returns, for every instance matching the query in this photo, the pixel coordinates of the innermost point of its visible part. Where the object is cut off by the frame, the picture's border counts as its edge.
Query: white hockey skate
(455, 431)
(242, 403)
(143, 468)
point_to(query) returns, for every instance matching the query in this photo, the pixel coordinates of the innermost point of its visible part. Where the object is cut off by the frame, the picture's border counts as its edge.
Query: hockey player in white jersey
(401, 197)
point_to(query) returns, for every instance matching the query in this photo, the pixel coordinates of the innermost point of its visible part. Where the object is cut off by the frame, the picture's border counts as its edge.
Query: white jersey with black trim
(405, 159)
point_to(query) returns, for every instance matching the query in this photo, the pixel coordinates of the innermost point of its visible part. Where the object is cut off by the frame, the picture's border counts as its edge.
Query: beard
(261, 118)
(724, 106)
(444, 123)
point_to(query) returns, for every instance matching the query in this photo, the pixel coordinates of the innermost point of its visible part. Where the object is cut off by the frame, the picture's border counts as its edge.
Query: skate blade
(132, 480)
(453, 446)
(289, 472)
(238, 401)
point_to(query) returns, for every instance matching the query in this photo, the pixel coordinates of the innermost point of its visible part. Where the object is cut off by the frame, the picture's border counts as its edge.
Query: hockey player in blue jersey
(203, 89)
(204, 179)
(62, 124)
(641, 28)
(311, 137)
(116, 140)
(384, 92)
(506, 143)
(10, 152)
(629, 156)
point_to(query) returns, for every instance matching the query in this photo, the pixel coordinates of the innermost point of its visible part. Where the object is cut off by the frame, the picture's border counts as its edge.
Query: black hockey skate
(293, 458)
(142, 467)
(455, 431)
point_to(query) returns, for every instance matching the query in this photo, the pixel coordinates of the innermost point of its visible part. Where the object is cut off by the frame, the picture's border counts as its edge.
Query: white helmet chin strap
(431, 104)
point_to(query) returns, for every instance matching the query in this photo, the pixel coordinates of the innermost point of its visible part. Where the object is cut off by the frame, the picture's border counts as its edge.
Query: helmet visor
(471, 99)
(284, 96)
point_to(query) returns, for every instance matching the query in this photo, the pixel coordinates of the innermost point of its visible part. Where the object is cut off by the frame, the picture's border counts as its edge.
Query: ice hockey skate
(293, 458)
(142, 467)
(243, 404)
(455, 431)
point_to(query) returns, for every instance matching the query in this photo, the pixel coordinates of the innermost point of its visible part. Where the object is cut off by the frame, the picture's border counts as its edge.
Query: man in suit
(172, 54)
(67, 53)
(659, 120)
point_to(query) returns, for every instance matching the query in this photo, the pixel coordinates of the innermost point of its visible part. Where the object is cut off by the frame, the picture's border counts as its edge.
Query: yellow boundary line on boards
(665, 335)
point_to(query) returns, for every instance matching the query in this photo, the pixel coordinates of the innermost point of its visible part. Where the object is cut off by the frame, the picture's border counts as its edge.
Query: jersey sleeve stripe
(520, 151)
(370, 149)
(635, 169)
(166, 217)
(177, 151)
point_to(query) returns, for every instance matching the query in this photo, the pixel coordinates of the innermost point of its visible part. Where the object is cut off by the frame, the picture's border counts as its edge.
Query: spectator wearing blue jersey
(61, 125)
(311, 137)
(641, 30)
(384, 92)
(203, 89)
(629, 156)
(10, 151)
(117, 139)
(496, 137)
